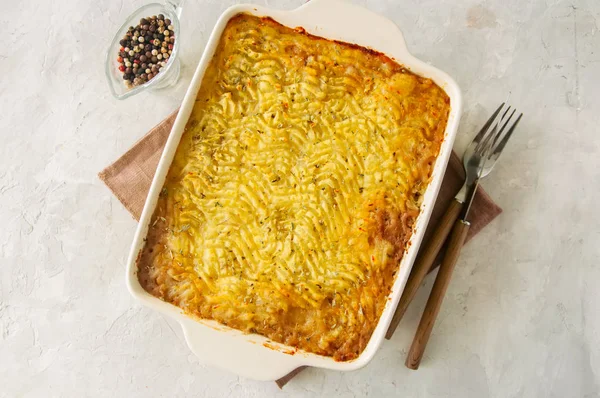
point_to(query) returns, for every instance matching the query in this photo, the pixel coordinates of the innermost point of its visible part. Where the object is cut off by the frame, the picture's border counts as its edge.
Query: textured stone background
(522, 315)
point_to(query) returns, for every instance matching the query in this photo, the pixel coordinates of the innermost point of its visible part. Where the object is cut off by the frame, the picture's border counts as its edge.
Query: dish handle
(234, 354)
(325, 13)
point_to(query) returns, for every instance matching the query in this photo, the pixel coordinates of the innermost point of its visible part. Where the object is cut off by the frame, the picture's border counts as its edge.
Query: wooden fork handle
(424, 261)
(434, 303)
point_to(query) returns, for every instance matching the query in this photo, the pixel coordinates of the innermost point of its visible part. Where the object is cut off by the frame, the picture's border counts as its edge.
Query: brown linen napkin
(129, 178)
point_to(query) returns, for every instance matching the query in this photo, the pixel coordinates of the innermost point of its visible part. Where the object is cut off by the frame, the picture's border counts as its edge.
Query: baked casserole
(293, 192)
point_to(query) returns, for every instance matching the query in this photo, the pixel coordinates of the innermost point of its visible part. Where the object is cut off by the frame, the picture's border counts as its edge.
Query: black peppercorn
(161, 17)
(144, 66)
(128, 71)
(152, 28)
(143, 58)
(143, 21)
(154, 59)
(167, 22)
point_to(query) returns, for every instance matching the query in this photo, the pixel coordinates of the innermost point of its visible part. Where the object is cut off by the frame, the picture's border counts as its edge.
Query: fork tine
(489, 141)
(505, 123)
(492, 135)
(505, 112)
(487, 124)
(498, 149)
(508, 120)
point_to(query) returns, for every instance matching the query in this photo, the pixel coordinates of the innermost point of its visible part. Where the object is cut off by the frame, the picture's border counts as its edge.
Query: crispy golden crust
(293, 192)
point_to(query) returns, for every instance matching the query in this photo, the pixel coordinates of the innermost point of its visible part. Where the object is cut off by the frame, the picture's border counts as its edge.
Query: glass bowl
(170, 73)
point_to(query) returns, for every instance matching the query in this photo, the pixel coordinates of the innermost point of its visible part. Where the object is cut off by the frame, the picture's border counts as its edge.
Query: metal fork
(493, 136)
(486, 151)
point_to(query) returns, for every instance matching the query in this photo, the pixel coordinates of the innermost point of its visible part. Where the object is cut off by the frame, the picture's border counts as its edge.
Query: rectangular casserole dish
(229, 348)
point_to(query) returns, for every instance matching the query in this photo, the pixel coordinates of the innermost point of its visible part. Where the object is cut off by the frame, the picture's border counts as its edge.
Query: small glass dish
(171, 9)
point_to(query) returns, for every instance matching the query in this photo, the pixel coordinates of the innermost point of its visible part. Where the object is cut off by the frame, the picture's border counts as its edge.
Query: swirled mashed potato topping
(295, 187)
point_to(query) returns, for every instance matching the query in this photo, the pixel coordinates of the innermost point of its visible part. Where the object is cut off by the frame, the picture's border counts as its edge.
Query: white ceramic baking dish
(254, 356)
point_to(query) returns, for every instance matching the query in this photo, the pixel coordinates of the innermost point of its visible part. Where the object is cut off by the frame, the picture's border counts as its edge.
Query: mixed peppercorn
(145, 49)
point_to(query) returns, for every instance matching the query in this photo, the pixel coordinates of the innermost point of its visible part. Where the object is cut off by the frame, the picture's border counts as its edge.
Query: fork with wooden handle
(432, 247)
(484, 156)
